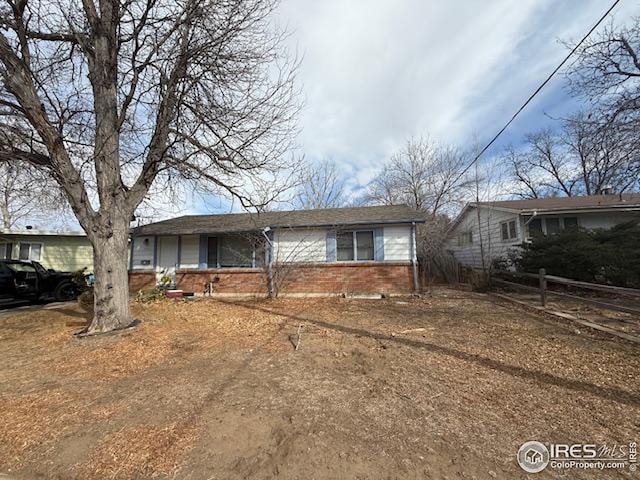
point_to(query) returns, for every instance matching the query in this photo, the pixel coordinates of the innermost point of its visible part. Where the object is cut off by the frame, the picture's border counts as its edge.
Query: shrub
(150, 295)
(79, 277)
(85, 299)
(602, 256)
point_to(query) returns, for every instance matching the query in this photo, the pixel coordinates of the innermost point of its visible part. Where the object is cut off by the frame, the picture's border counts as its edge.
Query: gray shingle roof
(244, 222)
(564, 203)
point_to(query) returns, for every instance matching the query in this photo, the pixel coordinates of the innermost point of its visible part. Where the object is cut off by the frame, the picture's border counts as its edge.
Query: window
(553, 225)
(508, 230)
(356, 245)
(465, 238)
(364, 245)
(240, 251)
(235, 251)
(535, 227)
(5, 250)
(344, 241)
(29, 251)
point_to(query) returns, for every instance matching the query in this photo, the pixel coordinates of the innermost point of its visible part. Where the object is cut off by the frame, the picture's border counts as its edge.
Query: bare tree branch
(109, 97)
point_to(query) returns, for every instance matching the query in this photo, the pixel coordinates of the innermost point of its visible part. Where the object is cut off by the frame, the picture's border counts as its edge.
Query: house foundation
(352, 278)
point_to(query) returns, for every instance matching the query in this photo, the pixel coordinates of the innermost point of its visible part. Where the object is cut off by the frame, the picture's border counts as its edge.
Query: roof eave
(43, 233)
(139, 231)
(590, 209)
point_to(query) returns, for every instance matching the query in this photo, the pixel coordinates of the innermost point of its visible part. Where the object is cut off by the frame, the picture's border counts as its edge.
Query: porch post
(414, 258)
(155, 252)
(203, 251)
(268, 235)
(131, 253)
(179, 255)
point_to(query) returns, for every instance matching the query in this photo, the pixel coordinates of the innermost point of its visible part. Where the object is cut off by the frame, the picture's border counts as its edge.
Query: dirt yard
(446, 387)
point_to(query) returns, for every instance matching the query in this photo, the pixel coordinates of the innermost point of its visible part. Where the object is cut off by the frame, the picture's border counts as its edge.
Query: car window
(40, 268)
(21, 267)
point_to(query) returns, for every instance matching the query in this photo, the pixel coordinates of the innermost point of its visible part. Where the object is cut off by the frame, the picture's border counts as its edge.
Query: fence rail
(544, 279)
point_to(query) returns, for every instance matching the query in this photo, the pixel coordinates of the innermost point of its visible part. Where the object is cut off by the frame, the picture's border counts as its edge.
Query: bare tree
(596, 150)
(604, 156)
(542, 168)
(527, 183)
(427, 177)
(607, 72)
(321, 185)
(115, 96)
(423, 175)
(582, 158)
(27, 195)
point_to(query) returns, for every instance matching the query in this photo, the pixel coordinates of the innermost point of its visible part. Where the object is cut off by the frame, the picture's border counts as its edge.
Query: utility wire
(542, 85)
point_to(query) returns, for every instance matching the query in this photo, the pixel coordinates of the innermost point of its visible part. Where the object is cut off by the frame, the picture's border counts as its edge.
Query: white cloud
(377, 71)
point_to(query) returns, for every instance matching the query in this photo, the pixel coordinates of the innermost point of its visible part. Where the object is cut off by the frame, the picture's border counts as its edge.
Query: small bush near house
(150, 295)
(602, 256)
(85, 299)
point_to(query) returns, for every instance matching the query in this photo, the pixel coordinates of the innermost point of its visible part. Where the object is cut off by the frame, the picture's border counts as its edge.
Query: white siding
(290, 245)
(308, 245)
(143, 252)
(190, 256)
(489, 232)
(167, 254)
(493, 246)
(397, 243)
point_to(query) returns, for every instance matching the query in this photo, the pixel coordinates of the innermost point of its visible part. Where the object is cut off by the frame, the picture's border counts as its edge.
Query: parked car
(30, 281)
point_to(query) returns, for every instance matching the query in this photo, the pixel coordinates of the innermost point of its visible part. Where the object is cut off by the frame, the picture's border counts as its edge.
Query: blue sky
(376, 72)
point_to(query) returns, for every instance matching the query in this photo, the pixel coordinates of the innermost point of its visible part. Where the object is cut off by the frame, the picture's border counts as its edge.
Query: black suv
(30, 281)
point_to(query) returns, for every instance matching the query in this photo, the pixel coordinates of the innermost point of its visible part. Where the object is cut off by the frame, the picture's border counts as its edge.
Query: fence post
(543, 287)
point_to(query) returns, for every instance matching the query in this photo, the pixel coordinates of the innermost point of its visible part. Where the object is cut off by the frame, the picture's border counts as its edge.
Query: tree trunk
(111, 289)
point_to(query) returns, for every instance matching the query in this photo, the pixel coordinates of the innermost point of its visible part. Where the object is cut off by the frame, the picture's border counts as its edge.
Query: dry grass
(393, 388)
(135, 452)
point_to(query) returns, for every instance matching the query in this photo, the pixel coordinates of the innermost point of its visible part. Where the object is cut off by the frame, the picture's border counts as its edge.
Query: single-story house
(63, 251)
(324, 251)
(488, 230)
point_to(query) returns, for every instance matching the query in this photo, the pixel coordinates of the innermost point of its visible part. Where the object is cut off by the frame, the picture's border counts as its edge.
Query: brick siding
(348, 277)
(141, 280)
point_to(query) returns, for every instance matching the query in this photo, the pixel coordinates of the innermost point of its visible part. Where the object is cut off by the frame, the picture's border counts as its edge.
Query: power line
(542, 85)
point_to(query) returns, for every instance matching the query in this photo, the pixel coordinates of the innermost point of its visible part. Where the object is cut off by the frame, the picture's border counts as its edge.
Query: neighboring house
(334, 250)
(488, 230)
(63, 251)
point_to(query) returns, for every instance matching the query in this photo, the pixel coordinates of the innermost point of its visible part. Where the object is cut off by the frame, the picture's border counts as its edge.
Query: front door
(167, 257)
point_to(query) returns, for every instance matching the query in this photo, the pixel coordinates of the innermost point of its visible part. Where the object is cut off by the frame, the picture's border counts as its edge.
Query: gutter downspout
(414, 257)
(265, 233)
(534, 215)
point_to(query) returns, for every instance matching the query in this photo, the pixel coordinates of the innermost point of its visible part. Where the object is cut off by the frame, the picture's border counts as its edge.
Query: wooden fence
(543, 280)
